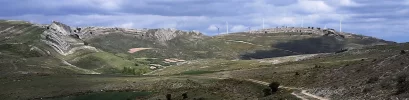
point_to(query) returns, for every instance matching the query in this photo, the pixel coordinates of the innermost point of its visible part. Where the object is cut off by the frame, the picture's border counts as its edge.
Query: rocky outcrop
(312, 30)
(62, 39)
(161, 35)
(164, 34)
(66, 40)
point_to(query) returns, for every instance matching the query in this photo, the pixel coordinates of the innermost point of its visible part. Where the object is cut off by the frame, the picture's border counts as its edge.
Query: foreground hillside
(370, 73)
(60, 62)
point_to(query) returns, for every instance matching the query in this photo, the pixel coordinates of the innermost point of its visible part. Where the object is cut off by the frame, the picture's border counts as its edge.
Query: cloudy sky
(386, 19)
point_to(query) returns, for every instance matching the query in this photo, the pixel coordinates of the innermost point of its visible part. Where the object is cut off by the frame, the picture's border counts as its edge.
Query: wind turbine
(340, 25)
(218, 30)
(263, 23)
(302, 22)
(179, 24)
(227, 27)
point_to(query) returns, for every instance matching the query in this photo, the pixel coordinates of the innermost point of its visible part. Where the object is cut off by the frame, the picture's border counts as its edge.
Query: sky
(385, 19)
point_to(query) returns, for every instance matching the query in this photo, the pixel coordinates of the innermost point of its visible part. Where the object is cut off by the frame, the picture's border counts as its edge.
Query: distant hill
(93, 50)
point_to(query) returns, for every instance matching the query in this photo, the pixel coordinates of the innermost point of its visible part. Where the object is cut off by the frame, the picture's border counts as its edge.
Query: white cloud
(212, 28)
(109, 4)
(238, 28)
(403, 11)
(406, 2)
(287, 20)
(127, 25)
(100, 4)
(348, 3)
(315, 6)
(167, 14)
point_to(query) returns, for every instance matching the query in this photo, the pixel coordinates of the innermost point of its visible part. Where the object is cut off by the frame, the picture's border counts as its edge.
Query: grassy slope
(373, 72)
(62, 86)
(368, 73)
(209, 66)
(107, 63)
(18, 53)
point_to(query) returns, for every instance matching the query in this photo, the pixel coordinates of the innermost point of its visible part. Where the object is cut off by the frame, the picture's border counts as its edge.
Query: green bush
(134, 71)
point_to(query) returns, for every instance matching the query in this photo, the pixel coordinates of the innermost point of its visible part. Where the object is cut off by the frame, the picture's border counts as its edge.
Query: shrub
(85, 43)
(168, 97)
(317, 66)
(274, 86)
(402, 52)
(184, 95)
(372, 80)
(342, 50)
(296, 73)
(267, 92)
(133, 71)
(402, 84)
(366, 90)
(79, 29)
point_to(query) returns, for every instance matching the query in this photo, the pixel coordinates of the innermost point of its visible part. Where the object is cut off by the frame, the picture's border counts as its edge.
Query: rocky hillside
(192, 45)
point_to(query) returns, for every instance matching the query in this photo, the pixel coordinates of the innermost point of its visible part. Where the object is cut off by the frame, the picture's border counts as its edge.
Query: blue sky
(386, 19)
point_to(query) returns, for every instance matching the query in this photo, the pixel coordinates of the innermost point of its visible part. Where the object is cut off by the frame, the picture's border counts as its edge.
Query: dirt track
(299, 93)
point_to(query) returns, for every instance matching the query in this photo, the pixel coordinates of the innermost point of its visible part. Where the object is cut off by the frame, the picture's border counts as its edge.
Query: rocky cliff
(62, 39)
(66, 40)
